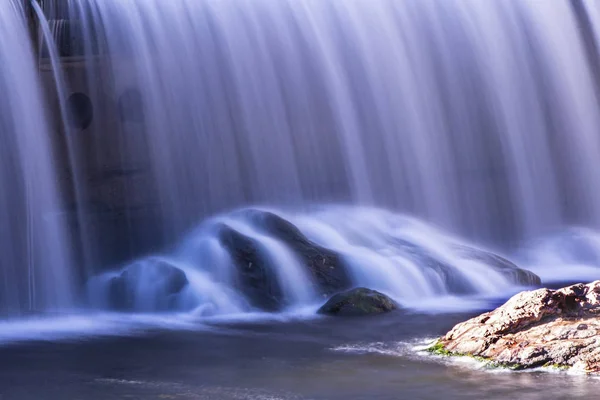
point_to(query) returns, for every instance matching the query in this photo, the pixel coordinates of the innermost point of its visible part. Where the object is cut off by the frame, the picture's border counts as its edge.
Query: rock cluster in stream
(256, 278)
(154, 284)
(544, 327)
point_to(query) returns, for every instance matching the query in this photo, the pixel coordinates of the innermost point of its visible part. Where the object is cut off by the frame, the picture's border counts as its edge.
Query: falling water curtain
(61, 27)
(54, 9)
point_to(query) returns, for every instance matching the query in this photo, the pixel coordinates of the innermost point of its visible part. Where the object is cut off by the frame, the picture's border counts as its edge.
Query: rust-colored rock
(536, 328)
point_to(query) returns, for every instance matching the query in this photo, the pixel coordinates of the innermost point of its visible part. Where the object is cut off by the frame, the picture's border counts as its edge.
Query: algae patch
(438, 349)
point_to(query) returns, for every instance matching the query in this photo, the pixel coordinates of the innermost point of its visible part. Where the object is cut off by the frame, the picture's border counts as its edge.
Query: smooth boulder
(325, 266)
(255, 276)
(147, 286)
(455, 280)
(358, 302)
(256, 279)
(511, 271)
(537, 328)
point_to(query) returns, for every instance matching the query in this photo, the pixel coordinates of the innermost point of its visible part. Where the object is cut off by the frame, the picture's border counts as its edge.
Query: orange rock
(536, 328)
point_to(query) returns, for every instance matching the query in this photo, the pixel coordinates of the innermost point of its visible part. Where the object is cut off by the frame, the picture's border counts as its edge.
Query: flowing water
(419, 266)
(35, 265)
(403, 138)
(478, 116)
(293, 360)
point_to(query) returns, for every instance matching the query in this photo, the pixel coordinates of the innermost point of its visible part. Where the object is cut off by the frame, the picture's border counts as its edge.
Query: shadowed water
(322, 359)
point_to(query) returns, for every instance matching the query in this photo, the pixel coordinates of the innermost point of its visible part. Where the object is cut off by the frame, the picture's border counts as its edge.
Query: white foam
(365, 237)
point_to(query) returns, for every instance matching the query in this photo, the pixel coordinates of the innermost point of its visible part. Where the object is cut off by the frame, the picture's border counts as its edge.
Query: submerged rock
(537, 328)
(456, 281)
(358, 302)
(148, 285)
(256, 277)
(511, 271)
(453, 279)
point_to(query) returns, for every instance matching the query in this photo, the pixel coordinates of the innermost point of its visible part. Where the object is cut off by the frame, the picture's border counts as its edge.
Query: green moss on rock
(439, 349)
(557, 366)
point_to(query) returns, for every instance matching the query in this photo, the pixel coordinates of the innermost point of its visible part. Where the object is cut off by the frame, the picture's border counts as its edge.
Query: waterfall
(35, 262)
(478, 117)
(357, 140)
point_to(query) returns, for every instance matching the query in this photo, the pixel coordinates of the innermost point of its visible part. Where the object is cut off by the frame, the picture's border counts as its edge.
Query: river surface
(318, 358)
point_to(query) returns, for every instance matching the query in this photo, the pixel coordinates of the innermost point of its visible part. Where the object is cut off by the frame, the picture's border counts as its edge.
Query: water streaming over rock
(478, 117)
(35, 263)
(259, 259)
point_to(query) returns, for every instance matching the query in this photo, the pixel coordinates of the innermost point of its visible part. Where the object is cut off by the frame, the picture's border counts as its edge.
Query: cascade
(425, 118)
(457, 112)
(36, 271)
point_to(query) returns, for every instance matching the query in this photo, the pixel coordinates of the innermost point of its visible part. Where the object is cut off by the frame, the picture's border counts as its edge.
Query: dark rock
(455, 281)
(358, 302)
(325, 266)
(148, 285)
(511, 271)
(537, 328)
(256, 278)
